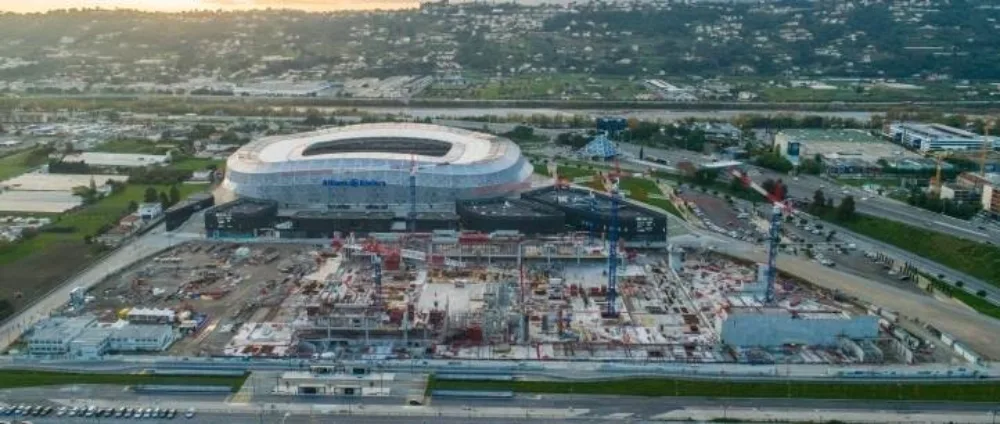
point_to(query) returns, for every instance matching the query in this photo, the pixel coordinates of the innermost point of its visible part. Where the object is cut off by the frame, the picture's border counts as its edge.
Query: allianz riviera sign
(353, 182)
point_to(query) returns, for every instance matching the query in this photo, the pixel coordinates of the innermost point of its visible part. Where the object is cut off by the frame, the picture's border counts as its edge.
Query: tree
(132, 206)
(845, 211)
(150, 195)
(164, 200)
(735, 185)
(959, 284)
(981, 293)
(175, 195)
(774, 161)
(819, 201)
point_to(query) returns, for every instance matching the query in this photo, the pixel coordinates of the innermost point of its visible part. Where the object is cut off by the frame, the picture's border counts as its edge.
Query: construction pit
(511, 300)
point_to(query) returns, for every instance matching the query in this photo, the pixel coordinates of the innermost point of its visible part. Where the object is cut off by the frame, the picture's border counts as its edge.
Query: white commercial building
(929, 137)
(127, 160)
(142, 338)
(150, 210)
(54, 336)
(151, 316)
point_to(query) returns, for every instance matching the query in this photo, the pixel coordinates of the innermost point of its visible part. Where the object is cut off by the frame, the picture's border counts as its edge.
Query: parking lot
(25, 411)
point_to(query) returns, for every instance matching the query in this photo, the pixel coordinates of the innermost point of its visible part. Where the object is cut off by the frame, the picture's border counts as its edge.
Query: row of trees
(167, 199)
(844, 212)
(934, 203)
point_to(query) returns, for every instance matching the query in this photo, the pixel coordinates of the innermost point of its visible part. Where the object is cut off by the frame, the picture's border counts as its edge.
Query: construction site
(490, 296)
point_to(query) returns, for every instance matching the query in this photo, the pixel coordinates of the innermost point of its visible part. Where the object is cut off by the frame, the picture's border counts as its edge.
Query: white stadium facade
(371, 164)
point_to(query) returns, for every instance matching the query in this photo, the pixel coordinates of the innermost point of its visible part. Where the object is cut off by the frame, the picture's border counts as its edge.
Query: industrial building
(177, 214)
(844, 151)
(240, 217)
(511, 214)
(931, 137)
(377, 164)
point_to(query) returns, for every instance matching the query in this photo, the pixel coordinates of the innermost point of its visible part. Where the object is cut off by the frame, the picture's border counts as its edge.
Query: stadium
(371, 164)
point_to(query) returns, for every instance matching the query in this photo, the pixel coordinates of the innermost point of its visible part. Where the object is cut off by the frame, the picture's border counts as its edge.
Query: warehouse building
(240, 217)
(846, 147)
(931, 137)
(178, 214)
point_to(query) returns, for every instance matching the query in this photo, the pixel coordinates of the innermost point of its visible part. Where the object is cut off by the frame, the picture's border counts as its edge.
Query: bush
(981, 293)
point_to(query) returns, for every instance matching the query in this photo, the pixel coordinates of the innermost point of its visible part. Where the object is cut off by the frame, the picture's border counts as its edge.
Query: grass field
(957, 392)
(571, 172)
(87, 220)
(17, 163)
(15, 379)
(145, 147)
(981, 305)
(665, 205)
(973, 258)
(541, 168)
(197, 164)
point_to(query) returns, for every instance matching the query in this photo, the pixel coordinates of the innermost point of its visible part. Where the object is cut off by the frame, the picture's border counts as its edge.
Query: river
(642, 114)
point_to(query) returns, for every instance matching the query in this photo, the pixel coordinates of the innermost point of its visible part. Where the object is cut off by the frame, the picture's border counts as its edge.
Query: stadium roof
(367, 140)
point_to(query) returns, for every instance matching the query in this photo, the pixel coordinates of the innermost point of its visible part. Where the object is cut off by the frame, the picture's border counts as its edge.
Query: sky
(29, 6)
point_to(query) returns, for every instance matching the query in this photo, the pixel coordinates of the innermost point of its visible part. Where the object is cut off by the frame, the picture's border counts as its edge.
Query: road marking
(945, 224)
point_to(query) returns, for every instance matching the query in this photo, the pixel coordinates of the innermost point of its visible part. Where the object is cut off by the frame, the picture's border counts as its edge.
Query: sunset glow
(183, 5)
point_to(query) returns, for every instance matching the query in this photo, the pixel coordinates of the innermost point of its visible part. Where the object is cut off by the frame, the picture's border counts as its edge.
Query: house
(150, 210)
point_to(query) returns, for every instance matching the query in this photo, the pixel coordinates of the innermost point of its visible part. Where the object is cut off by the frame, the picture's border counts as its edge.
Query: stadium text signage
(354, 182)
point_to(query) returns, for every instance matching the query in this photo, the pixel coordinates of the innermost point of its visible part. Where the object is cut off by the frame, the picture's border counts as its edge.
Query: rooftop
(510, 207)
(823, 135)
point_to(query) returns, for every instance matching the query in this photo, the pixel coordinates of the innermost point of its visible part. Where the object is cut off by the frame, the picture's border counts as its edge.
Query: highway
(804, 186)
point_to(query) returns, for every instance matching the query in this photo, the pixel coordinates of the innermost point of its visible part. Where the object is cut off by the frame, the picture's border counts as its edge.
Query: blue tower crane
(772, 253)
(777, 198)
(612, 296)
(591, 225)
(377, 263)
(411, 218)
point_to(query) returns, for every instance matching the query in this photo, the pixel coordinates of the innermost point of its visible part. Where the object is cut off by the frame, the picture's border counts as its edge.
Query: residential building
(959, 193)
(991, 195)
(931, 137)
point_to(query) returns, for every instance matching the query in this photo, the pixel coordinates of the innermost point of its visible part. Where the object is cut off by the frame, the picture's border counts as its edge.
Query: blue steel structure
(411, 218)
(591, 225)
(377, 262)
